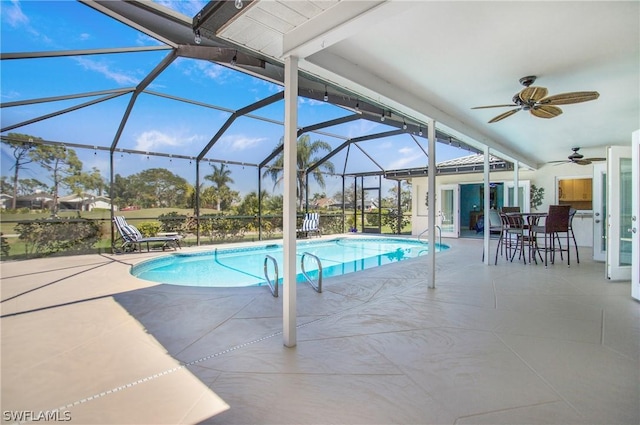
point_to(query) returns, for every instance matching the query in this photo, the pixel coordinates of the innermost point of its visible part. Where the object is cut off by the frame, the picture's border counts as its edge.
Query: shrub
(149, 228)
(51, 235)
(4, 246)
(391, 219)
(172, 222)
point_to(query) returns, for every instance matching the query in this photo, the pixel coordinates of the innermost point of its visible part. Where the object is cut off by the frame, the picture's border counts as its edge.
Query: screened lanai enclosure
(137, 109)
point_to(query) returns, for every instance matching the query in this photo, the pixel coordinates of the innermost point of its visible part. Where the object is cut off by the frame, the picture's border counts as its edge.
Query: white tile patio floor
(506, 344)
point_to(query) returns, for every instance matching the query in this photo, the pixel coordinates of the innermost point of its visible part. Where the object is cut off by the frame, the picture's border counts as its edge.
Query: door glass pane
(520, 197)
(625, 211)
(603, 228)
(447, 210)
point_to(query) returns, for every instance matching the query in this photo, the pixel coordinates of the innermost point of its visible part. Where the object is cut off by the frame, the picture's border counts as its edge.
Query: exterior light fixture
(234, 59)
(239, 4)
(358, 106)
(197, 37)
(382, 116)
(404, 125)
(420, 131)
(326, 94)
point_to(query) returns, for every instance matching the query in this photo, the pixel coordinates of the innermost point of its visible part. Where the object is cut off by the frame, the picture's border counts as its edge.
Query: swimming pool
(234, 267)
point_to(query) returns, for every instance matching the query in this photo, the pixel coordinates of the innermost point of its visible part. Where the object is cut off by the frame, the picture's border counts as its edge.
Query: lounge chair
(310, 224)
(132, 238)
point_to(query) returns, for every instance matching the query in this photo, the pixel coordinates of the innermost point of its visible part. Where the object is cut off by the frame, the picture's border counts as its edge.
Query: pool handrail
(438, 228)
(318, 288)
(273, 285)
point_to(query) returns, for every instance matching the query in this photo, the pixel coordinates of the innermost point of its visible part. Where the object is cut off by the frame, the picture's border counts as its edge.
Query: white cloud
(305, 100)
(405, 162)
(13, 15)
(157, 141)
(145, 40)
(239, 142)
(85, 36)
(103, 68)
(188, 8)
(198, 69)
(360, 127)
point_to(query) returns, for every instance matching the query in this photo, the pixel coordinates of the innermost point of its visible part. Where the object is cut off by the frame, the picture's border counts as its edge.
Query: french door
(635, 217)
(524, 187)
(448, 210)
(619, 213)
(600, 212)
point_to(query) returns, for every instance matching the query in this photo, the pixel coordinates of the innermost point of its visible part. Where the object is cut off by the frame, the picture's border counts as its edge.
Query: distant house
(35, 201)
(74, 202)
(5, 201)
(323, 203)
(83, 202)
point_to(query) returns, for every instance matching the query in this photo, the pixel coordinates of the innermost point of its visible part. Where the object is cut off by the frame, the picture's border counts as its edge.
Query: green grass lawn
(8, 221)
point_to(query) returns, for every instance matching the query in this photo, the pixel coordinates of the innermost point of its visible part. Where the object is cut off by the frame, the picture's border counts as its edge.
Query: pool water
(245, 266)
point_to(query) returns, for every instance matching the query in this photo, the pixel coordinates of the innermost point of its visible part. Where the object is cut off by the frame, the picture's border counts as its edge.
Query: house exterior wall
(545, 177)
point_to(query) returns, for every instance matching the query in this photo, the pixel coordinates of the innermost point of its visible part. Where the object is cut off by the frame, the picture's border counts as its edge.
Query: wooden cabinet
(575, 190)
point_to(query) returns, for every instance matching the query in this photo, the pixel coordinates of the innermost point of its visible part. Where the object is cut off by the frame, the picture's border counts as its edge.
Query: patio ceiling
(407, 61)
(440, 59)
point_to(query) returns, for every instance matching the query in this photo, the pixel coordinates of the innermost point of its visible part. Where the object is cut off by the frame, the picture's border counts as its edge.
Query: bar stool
(556, 222)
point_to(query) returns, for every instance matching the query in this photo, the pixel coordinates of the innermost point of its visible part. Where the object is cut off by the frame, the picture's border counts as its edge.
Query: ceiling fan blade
(511, 105)
(595, 159)
(568, 98)
(557, 162)
(582, 162)
(504, 115)
(546, 111)
(532, 94)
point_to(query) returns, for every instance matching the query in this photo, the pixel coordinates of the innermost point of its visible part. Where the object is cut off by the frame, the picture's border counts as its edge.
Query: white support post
(431, 199)
(289, 202)
(516, 184)
(487, 206)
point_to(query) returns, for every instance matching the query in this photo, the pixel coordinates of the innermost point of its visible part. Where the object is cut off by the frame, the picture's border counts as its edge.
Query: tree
(273, 204)
(158, 187)
(350, 195)
(405, 196)
(22, 145)
(88, 182)
(306, 152)
(61, 162)
(220, 178)
(27, 186)
(5, 185)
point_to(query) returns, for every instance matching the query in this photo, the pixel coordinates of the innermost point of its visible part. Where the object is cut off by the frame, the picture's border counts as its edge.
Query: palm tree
(220, 178)
(306, 156)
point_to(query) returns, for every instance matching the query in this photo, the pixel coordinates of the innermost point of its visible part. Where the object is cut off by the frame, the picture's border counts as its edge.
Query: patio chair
(572, 213)
(496, 227)
(132, 238)
(310, 225)
(557, 221)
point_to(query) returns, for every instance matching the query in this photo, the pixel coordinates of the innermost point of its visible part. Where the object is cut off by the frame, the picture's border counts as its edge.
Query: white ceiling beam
(337, 23)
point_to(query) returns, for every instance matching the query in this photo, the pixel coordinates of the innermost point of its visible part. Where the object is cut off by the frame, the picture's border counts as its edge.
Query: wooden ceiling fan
(577, 158)
(535, 100)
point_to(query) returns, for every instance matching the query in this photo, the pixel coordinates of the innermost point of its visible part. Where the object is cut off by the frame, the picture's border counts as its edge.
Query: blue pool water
(235, 267)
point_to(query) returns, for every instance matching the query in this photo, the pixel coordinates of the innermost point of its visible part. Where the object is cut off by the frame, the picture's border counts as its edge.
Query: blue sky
(158, 124)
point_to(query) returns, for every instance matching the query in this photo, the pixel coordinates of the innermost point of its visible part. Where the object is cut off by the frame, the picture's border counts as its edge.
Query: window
(576, 192)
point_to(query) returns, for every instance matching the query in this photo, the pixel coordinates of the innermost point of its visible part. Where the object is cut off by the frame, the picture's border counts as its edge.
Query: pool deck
(502, 344)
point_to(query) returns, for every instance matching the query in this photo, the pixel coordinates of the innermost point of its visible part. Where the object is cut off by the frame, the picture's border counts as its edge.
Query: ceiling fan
(535, 100)
(578, 158)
